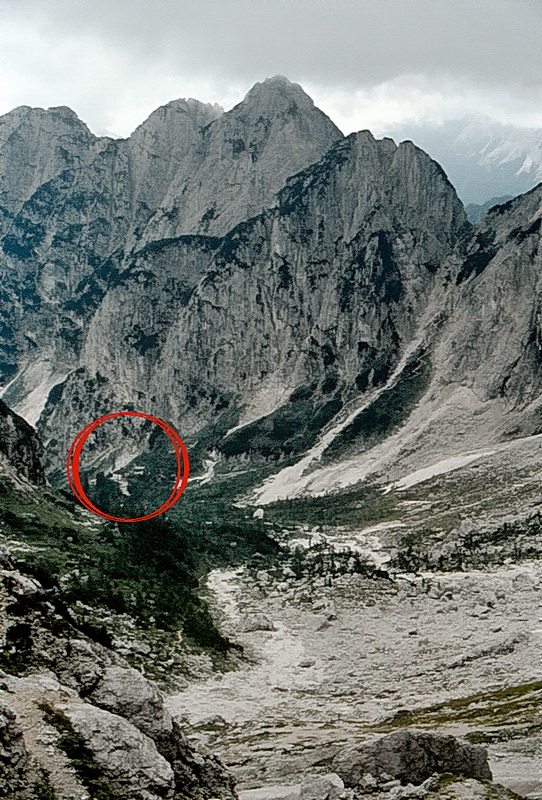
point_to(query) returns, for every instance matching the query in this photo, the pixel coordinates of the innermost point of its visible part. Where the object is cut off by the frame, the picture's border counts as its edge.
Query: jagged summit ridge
(76, 212)
(170, 114)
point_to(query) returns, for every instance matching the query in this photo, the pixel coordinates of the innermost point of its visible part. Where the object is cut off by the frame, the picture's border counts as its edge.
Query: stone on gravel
(258, 622)
(326, 787)
(271, 793)
(412, 756)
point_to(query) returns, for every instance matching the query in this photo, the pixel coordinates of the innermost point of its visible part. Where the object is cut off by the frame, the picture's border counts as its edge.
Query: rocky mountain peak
(45, 117)
(35, 146)
(278, 98)
(177, 113)
(65, 112)
(243, 159)
(277, 92)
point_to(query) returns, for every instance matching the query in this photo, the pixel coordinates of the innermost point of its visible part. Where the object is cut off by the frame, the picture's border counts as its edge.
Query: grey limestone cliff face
(36, 145)
(215, 266)
(243, 159)
(325, 290)
(73, 226)
(493, 341)
(20, 446)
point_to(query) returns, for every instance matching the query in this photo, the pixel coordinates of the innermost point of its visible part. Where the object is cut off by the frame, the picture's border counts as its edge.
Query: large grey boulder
(126, 692)
(325, 787)
(83, 665)
(412, 756)
(271, 793)
(257, 622)
(128, 759)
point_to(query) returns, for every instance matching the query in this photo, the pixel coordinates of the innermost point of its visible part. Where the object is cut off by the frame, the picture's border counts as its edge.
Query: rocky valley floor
(457, 652)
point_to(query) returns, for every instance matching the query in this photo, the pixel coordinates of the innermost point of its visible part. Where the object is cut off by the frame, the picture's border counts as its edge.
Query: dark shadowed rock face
(20, 446)
(412, 756)
(14, 759)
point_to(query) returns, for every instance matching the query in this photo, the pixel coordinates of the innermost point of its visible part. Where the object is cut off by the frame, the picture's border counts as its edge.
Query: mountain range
(314, 305)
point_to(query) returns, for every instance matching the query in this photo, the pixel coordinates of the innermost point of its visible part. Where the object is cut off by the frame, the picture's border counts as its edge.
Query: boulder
(271, 793)
(126, 692)
(128, 760)
(214, 721)
(258, 622)
(412, 756)
(20, 585)
(83, 665)
(326, 787)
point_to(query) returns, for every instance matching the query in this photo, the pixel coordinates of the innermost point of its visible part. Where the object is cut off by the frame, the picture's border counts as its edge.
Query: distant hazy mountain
(475, 211)
(483, 158)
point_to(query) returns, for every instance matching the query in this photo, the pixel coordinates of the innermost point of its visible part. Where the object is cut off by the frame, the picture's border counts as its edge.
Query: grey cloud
(327, 40)
(342, 44)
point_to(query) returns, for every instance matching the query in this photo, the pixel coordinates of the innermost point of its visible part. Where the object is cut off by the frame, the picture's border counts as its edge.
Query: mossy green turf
(501, 708)
(360, 506)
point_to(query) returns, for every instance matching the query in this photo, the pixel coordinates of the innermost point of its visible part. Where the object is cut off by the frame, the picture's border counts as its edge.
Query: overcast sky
(366, 63)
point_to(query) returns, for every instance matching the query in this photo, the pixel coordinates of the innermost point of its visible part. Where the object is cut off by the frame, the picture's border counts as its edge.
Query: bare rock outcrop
(124, 691)
(14, 758)
(412, 756)
(128, 759)
(20, 446)
(76, 711)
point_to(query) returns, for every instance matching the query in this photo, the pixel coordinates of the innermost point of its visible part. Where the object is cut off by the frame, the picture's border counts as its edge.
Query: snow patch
(292, 481)
(43, 377)
(440, 468)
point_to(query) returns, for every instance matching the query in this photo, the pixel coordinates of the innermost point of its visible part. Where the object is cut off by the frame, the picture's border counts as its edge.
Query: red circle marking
(74, 454)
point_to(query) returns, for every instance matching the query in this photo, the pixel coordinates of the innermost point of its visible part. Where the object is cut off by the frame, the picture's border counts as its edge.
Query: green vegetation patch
(150, 570)
(290, 430)
(363, 506)
(510, 706)
(470, 549)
